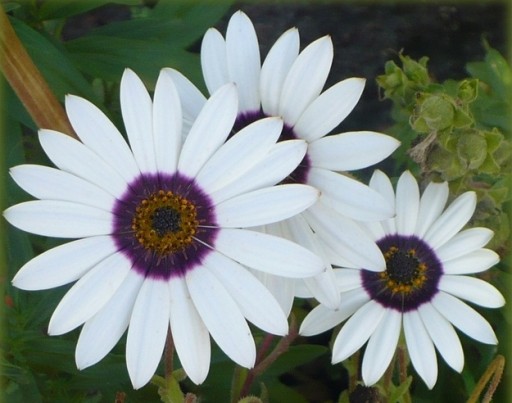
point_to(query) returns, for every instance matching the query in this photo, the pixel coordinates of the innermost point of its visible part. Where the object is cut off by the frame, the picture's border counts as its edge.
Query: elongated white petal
(407, 204)
(381, 183)
(322, 318)
(59, 219)
(72, 156)
(306, 79)
(443, 335)
(239, 154)
(167, 123)
(345, 238)
(149, 325)
(255, 302)
(473, 290)
(63, 264)
(464, 242)
(192, 100)
(329, 110)
(101, 333)
(357, 330)
(53, 184)
(432, 203)
(452, 220)
(275, 69)
(137, 110)
(348, 279)
(268, 253)
(282, 289)
(190, 335)
(89, 294)
(280, 161)
(381, 347)
(420, 348)
(243, 56)
(222, 317)
(465, 318)
(209, 131)
(265, 206)
(472, 262)
(348, 196)
(100, 135)
(214, 60)
(351, 150)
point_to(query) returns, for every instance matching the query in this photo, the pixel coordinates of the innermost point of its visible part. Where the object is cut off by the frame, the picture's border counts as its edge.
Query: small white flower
(427, 259)
(289, 84)
(160, 227)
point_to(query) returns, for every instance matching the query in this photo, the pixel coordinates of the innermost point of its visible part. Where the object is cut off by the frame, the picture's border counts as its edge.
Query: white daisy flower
(428, 259)
(289, 84)
(160, 227)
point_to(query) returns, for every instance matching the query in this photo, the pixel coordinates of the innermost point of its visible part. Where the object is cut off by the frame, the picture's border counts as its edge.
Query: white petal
(472, 262)
(280, 161)
(63, 264)
(59, 219)
(50, 183)
(137, 110)
(149, 325)
(432, 203)
(265, 206)
(381, 183)
(282, 289)
(190, 335)
(89, 294)
(72, 156)
(473, 290)
(221, 316)
(407, 204)
(268, 253)
(256, 302)
(214, 60)
(347, 279)
(101, 333)
(192, 100)
(306, 79)
(329, 110)
(346, 238)
(452, 220)
(350, 151)
(243, 55)
(465, 318)
(100, 135)
(348, 196)
(321, 318)
(443, 335)
(357, 330)
(167, 120)
(420, 347)
(275, 69)
(239, 154)
(381, 347)
(465, 241)
(209, 131)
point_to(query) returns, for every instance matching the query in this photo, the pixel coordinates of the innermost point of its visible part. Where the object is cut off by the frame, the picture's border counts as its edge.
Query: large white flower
(289, 84)
(428, 259)
(161, 228)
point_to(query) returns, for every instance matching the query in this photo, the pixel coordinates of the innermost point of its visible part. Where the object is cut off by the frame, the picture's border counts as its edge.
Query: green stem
(491, 376)
(28, 83)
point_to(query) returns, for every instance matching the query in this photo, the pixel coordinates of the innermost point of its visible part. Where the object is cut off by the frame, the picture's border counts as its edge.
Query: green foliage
(457, 131)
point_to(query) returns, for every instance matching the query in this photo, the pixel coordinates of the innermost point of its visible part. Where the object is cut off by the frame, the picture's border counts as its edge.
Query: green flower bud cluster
(457, 131)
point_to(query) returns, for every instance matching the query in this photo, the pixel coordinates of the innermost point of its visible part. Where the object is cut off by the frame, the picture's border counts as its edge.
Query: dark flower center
(300, 174)
(165, 225)
(411, 277)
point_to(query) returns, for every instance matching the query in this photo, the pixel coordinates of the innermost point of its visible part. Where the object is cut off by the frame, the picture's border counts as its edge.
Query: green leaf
(295, 356)
(55, 66)
(53, 9)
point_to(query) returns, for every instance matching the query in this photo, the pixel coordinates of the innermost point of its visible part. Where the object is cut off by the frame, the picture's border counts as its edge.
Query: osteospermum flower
(428, 259)
(161, 228)
(289, 84)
